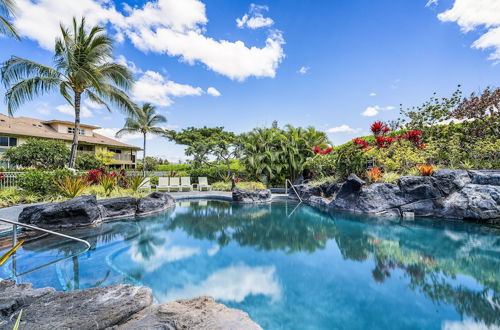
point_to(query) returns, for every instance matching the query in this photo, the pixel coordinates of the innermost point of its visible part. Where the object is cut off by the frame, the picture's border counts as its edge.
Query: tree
(7, 8)
(83, 67)
(105, 157)
(143, 120)
(208, 146)
(88, 161)
(41, 154)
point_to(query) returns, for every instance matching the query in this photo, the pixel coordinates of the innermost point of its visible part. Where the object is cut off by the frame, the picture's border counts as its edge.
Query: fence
(9, 179)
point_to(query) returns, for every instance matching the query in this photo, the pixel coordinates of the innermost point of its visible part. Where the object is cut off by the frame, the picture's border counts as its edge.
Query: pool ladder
(293, 188)
(16, 224)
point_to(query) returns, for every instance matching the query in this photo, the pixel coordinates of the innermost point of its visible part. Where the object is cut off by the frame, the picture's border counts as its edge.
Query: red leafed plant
(2, 176)
(237, 180)
(361, 143)
(379, 127)
(318, 150)
(94, 175)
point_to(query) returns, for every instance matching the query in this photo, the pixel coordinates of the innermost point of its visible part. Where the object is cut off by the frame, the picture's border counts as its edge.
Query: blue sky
(335, 65)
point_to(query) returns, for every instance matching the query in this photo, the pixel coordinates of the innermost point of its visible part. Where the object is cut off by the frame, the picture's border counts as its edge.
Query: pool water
(289, 266)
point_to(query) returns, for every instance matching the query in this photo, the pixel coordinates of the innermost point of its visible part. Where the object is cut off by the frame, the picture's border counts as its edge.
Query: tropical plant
(83, 67)
(374, 174)
(135, 182)
(87, 161)
(143, 120)
(70, 186)
(105, 157)
(40, 182)
(109, 182)
(226, 186)
(39, 153)
(7, 8)
(426, 169)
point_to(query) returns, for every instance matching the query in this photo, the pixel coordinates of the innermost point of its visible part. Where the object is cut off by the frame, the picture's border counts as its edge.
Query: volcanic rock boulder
(252, 196)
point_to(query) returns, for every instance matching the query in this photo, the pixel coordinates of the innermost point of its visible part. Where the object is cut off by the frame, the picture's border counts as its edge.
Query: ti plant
(72, 187)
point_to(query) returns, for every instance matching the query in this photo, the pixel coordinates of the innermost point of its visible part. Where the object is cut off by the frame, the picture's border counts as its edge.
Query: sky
(331, 64)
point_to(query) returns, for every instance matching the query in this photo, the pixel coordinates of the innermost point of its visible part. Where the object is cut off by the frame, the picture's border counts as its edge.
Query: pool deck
(12, 213)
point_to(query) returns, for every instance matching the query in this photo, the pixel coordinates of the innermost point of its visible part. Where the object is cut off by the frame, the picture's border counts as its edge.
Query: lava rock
(419, 187)
(196, 314)
(485, 178)
(353, 184)
(329, 189)
(379, 197)
(76, 212)
(15, 296)
(449, 181)
(305, 191)
(422, 208)
(155, 202)
(474, 202)
(115, 208)
(248, 196)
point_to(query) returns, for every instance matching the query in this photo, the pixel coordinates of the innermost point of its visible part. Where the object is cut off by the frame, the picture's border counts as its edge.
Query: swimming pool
(289, 266)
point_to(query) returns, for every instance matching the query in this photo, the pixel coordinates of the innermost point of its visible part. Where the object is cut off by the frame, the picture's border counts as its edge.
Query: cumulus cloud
(373, 94)
(212, 91)
(478, 14)
(129, 64)
(375, 110)
(70, 111)
(111, 133)
(303, 70)
(175, 28)
(153, 87)
(255, 19)
(343, 129)
(233, 283)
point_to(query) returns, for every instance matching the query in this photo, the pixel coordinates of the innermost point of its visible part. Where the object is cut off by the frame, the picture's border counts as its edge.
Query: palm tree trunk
(74, 145)
(144, 157)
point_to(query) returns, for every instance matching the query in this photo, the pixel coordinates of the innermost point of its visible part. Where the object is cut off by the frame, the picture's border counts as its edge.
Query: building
(16, 131)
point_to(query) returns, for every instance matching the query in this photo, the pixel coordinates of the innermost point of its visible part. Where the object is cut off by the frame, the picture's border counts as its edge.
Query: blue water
(289, 266)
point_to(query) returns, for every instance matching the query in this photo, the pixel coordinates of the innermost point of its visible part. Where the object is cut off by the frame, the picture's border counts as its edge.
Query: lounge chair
(186, 183)
(146, 184)
(174, 184)
(203, 183)
(162, 183)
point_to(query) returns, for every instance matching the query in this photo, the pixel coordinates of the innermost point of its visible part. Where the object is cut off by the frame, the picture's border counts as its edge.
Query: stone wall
(452, 194)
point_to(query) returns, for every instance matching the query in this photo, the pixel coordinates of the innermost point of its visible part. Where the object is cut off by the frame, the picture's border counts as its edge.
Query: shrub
(322, 165)
(87, 161)
(108, 182)
(135, 182)
(390, 177)
(318, 182)
(40, 181)
(173, 167)
(94, 175)
(71, 187)
(39, 153)
(226, 186)
(374, 174)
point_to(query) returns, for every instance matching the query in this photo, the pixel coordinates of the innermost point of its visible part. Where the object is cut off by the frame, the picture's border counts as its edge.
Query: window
(85, 147)
(12, 142)
(116, 151)
(6, 141)
(71, 130)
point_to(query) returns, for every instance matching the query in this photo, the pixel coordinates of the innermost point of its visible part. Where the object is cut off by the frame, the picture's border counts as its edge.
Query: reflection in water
(286, 266)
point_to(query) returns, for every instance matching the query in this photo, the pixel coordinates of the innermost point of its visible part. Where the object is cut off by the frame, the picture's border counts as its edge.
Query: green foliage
(109, 183)
(274, 154)
(87, 161)
(350, 159)
(153, 180)
(324, 179)
(390, 177)
(152, 164)
(70, 186)
(100, 193)
(226, 186)
(13, 196)
(322, 165)
(173, 167)
(41, 181)
(135, 182)
(39, 153)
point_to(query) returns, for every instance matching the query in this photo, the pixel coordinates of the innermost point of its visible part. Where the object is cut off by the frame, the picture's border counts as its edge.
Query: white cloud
(129, 64)
(472, 14)
(70, 111)
(172, 27)
(111, 133)
(431, 3)
(373, 94)
(343, 129)
(153, 87)
(255, 18)
(303, 69)
(375, 110)
(465, 325)
(233, 283)
(212, 91)
(43, 108)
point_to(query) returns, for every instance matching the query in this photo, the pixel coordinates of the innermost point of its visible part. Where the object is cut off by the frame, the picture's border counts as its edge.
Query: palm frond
(27, 90)
(16, 69)
(6, 28)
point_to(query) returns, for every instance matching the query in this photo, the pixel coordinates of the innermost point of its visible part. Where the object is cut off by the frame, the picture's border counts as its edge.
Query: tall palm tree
(7, 7)
(83, 67)
(143, 120)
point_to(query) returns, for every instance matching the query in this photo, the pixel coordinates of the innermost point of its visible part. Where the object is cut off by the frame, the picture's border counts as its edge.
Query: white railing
(9, 179)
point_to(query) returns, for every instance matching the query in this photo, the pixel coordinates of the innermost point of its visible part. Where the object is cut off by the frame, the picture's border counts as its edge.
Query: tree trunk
(74, 145)
(144, 157)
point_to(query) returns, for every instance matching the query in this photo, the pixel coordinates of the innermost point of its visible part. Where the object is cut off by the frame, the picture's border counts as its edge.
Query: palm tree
(83, 67)
(7, 8)
(143, 120)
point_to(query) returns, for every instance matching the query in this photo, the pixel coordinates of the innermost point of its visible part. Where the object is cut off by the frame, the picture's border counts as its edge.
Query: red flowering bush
(318, 150)
(362, 143)
(94, 175)
(382, 141)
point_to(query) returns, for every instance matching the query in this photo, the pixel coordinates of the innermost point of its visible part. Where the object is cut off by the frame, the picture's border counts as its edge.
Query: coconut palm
(83, 67)
(143, 121)
(7, 8)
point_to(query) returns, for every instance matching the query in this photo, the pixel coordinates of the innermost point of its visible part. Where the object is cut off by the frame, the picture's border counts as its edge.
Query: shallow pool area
(289, 266)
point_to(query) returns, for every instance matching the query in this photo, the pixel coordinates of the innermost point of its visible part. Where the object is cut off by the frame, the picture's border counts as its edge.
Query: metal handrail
(296, 193)
(14, 233)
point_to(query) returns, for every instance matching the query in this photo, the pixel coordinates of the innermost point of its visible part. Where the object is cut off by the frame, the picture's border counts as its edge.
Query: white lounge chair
(174, 184)
(203, 183)
(146, 184)
(162, 183)
(186, 183)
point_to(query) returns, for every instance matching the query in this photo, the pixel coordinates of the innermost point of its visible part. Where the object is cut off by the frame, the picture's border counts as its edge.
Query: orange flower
(374, 174)
(426, 170)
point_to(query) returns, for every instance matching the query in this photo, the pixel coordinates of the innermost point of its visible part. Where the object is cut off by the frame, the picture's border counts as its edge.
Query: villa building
(16, 131)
